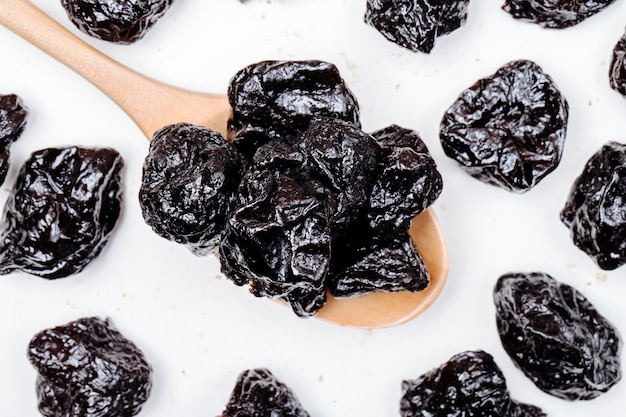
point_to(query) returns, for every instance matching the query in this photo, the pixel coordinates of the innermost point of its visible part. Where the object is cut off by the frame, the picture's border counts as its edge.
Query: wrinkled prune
(468, 384)
(291, 199)
(595, 210)
(508, 129)
(617, 69)
(554, 14)
(279, 98)
(61, 211)
(258, 393)
(13, 117)
(415, 24)
(189, 177)
(87, 368)
(556, 336)
(118, 21)
(375, 253)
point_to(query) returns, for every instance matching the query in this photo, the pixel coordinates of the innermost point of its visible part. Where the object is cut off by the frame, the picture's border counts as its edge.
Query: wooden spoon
(152, 105)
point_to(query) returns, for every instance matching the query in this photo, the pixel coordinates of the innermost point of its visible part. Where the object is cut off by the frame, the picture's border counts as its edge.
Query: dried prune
(87, 368)
(554, 14)
(13, 117)
(508, 129)
(375, 253)
(278, 98)
(258, 393)
(189, 177)
(468, 384)
(61, 211)
(407, 181)
(118, 21)
(617, 69)
(292, 197)
(556, 336)
(595, 210)
(416, 24)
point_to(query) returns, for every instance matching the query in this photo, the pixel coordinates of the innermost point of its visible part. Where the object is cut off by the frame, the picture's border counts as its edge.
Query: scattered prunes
(279, 98)
(61, 211)
(258, 393)
(189, 177)
(117, 21)
(13, 117)
(556, 336)
(617, 69)
(416, 24)
(87, 368)
(554, 14)
(595, 210)
(508, 129)
(468, 384)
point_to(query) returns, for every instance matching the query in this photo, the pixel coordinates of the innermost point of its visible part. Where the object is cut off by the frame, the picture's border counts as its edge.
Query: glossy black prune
(554, 14)
(61, 211)
(118, 21)
(617, 68)
(468, 384)
(595, 210)
(258, 393)
(376, 253)
(13, 118)
(189, 177)
(508, 129)
(556, 336)
(87, 368)
(279, 98)
(416, 24)
(291, 201)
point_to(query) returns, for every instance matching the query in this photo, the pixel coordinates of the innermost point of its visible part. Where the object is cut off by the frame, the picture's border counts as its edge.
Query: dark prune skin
(189, 177)
(508, 129)
(291, 201)
(117, 21)
(554, 14)
(468, 384)
(556, 336)
(87, 368)
(416, 24)
(595, 210)
(13, 118)
(258, 393)
(61, 211)
(617, 69)
(279, 98)
(376, 253)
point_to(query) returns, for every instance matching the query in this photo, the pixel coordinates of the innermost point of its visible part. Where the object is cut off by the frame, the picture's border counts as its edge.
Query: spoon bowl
(152, 105)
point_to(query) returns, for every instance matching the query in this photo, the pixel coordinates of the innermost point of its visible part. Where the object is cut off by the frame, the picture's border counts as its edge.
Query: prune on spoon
(87, 368)
(189, 177)
(258, 393)
(117, 21)
(292, 199)
(595, 210)
(61, 211)
(278, 98)
(468, 384)
(508, 129)
(556, 336)
(617, 69)
(13, 118)
(554, 14)
(376, 253)
(416, 24)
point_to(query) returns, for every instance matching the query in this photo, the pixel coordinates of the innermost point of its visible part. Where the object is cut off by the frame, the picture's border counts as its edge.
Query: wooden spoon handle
(149, 103)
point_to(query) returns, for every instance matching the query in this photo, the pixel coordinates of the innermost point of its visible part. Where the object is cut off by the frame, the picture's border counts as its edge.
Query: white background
(199, 330)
